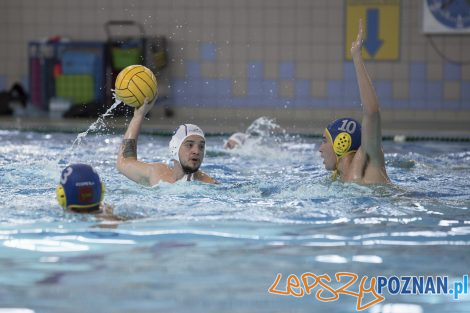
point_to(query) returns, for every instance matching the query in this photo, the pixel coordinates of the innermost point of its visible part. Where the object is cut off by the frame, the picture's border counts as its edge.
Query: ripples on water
(275, 211)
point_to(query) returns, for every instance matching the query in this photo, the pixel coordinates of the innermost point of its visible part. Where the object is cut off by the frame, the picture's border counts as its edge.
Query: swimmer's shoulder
(201, 176)
(161, 172)
(362, 171)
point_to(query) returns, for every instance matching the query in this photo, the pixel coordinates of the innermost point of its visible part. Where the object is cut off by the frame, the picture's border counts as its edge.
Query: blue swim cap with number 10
(345, 135)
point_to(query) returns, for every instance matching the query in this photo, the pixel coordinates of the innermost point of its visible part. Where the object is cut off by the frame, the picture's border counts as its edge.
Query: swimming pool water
(191, 247)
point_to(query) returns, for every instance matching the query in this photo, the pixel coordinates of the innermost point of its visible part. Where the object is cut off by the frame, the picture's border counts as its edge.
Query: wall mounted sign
(382, 28)
(446, 16)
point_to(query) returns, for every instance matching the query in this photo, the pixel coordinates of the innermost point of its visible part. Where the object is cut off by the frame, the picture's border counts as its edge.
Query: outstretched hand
(146, 107)
(356, 47)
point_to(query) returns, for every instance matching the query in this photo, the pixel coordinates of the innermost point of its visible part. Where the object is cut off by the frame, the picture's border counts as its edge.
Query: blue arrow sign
(373, 43)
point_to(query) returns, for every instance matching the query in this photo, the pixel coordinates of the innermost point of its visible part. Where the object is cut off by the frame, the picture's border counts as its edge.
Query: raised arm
(127, 162)
(371, 140)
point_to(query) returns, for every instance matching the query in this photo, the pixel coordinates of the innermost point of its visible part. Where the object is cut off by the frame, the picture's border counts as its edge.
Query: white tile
(224, 52)
(240, 53)
(319, 71)
(434, 71)
(271, 70)
(287, 52)
(286, 88)
(271, 52)
(400, 90)
(209, 70)
(239, 87)
(303, 70)
(335, 71)
(400, 71)
(319, 88)
(255, 52)
(452, 90)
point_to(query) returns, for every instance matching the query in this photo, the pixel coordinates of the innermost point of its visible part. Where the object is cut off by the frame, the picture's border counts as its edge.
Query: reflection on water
(219, 248)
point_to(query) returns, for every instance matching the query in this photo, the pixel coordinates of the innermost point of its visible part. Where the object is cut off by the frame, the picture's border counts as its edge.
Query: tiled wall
(245, 53)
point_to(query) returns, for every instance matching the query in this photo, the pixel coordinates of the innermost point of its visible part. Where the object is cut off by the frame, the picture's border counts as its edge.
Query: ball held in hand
(135, 83)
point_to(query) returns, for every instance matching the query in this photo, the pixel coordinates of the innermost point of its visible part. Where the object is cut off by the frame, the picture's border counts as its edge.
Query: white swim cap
(239, 138)
(181, 133)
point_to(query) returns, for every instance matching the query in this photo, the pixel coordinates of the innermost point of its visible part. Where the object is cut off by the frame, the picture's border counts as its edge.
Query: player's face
(327, 153)
(191, 153)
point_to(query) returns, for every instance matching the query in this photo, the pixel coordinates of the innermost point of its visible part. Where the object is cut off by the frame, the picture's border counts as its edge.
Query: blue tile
(238, 102)
(287, 70)
(292, 102)
(318, 103)
(465, 92)
(221, 102)
(349, 71)
(254, 88)
(418, 104)
(209, 88)
(401, 104)
(253, 101)
(208, 51)
(272, 102)
(255, 70)
(383, 89)
(465, 105)
(335, 103)
(287, 103)
(351, 90)
(270, 88)
(418, 71)
(303, 102)
(386, 104)
(433, 104)
(351, 103)
(282, 103)
(186, 92)
(193, 69)
(181, 95)
(179, 86)
(434, 91)
(417, 90)
(195, 87)
(335, 90)
(302, 88)
(452, 71)
(451, 104)
(224, 88)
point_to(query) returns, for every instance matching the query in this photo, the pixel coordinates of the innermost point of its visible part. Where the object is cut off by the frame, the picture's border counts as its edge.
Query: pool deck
(453, 125)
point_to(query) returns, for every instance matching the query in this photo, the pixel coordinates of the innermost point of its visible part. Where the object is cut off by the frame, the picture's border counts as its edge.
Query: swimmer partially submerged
(354, 152)
(81, 190)
(235, 141)
(187, 148)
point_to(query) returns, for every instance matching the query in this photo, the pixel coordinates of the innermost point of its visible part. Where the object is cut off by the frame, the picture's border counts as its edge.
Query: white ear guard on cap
(181, 133)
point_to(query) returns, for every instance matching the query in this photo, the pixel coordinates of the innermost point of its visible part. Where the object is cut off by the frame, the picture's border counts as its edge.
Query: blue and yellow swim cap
(80, 188)
(345, 134)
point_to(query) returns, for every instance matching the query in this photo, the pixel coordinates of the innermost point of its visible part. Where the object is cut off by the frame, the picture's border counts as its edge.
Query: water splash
(263, 127)
(268, 139)
(99, 124)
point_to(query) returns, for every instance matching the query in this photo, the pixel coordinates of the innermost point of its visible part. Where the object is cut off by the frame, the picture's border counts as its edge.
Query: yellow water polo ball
(135, 83)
